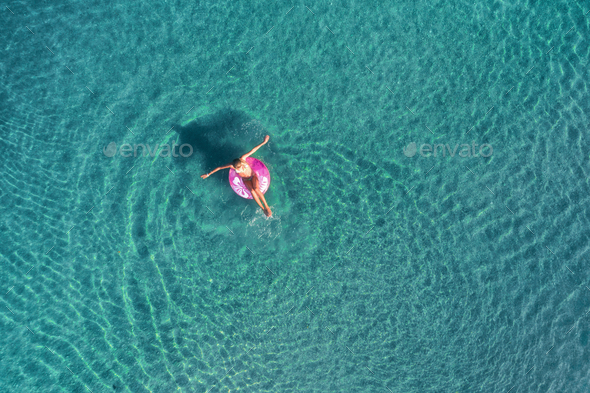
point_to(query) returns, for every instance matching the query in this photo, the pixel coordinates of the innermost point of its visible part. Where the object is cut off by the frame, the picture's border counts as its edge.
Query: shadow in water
(217, 139)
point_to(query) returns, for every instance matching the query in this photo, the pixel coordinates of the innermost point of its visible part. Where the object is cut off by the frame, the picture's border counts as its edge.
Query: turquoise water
(380, 270)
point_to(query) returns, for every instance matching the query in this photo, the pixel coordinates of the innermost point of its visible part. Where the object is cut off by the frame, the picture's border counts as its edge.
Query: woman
(249, 177)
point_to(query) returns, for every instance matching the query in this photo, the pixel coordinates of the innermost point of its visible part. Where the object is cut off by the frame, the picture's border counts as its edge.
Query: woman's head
(237, 163)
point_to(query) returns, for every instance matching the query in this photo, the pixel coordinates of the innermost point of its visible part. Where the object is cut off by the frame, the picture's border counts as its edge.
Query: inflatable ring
(237, 184)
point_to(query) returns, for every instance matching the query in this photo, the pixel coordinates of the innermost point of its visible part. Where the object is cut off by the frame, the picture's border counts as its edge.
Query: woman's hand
(266, 138)
(206, 175)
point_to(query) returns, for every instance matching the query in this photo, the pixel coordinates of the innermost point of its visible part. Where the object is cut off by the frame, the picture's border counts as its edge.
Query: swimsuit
(248, 178)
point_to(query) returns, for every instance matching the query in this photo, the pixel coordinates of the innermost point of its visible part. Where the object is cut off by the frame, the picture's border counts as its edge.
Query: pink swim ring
(237, 184)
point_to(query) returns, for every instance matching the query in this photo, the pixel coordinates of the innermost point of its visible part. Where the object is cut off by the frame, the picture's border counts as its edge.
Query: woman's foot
(268, 212)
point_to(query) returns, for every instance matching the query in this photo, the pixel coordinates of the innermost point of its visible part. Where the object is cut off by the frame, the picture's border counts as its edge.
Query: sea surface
(384, 267)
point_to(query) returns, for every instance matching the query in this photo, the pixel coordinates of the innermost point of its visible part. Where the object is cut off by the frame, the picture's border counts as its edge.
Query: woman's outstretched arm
(266, 138)
(206, 175)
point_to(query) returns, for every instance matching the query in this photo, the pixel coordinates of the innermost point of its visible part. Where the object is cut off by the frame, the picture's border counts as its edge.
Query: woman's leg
(250, 187)
(256, 187)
